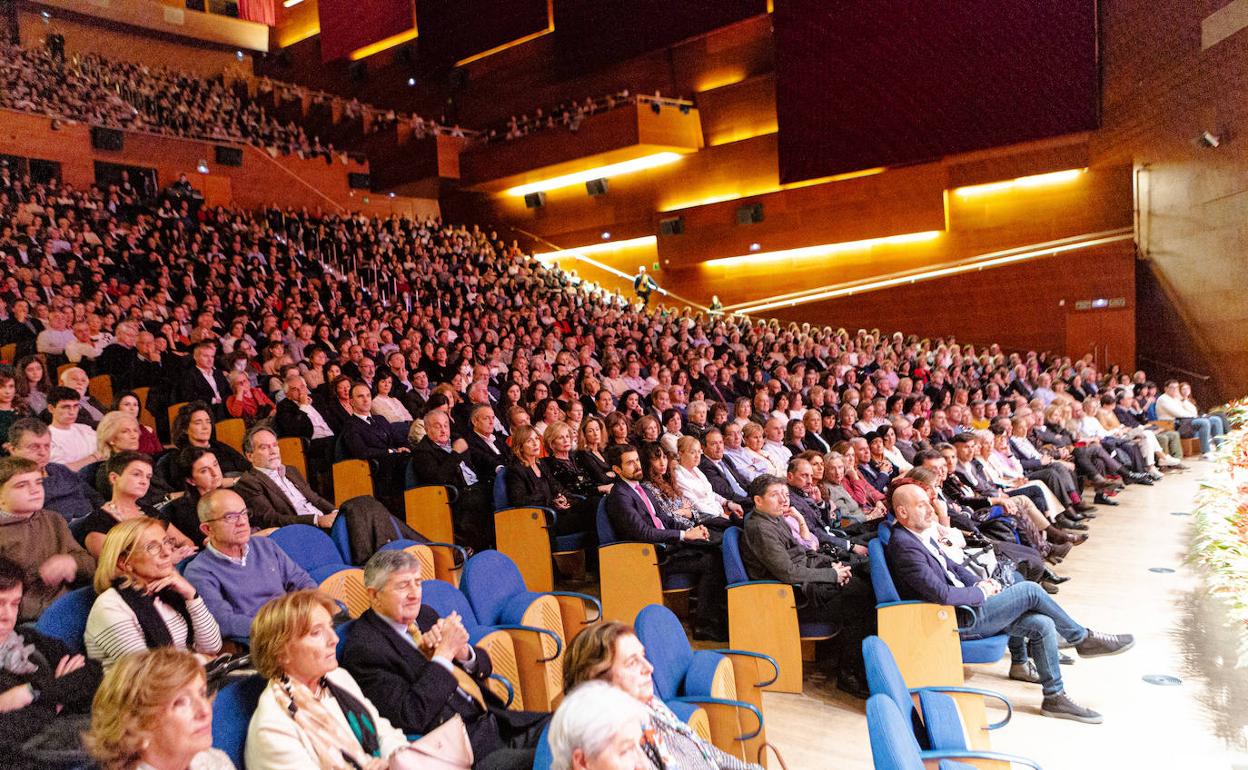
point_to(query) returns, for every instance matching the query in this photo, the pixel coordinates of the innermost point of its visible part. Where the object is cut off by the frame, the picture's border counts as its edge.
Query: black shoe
(1103, 500)
(1055, 578)
(1139, 478)
(1072, 514)
(1066, 523)
(1061, 706)
(1097, 644)
(1048, 587)
(1085, 510)
(852, 683)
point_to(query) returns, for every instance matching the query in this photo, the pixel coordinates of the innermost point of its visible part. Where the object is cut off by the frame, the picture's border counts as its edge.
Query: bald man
(921, 570)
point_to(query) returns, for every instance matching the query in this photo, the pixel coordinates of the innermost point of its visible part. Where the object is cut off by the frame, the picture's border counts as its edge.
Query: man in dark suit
(20, 328)
(719, 469)
(921, 570)
(635, 516)
(486, 448)
(833, 593)
(202, 381)
(120, 357)
(366, 436)
(420, 670)
(297, 416)
(438, 460)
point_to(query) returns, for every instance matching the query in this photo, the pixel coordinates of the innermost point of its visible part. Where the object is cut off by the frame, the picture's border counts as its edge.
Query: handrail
(1173, 368)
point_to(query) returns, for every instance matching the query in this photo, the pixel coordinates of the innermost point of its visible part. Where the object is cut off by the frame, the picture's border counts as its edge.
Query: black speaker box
(596, 187)
(672, 226)
(535, 200)
(229, 156)
(750, 213)
(359, 181)
(107, 138)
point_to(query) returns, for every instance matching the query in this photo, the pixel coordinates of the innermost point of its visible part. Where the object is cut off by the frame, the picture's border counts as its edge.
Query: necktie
(654, 518)
(732, 480)
(467, 685)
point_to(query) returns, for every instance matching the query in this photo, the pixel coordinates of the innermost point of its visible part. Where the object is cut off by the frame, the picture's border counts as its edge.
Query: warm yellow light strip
(927, 275)
(598, 248)
(771, 189)
(602, 172)
(381, 45)
(1022, 182)
(824, 249)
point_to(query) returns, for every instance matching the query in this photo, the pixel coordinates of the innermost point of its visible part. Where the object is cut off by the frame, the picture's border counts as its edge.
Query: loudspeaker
(535, 200)
(359, 181)
(228, 156)
(751, 213)
(107, 138)
(672, 226)
(596, 187)
(358, 71)
(457, 79)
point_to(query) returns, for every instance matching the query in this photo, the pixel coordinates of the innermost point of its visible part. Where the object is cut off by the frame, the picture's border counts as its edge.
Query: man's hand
(859, 548)
(695, 534)
(58, 569)
(990, 587)
(451, 636)
(732, 508)
(843, 573)
(327, 520)
(459, 445)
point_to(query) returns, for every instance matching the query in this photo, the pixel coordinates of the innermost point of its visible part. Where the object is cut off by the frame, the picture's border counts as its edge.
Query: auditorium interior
(559, 306)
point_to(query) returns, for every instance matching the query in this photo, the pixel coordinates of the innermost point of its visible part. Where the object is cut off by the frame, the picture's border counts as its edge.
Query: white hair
(588, 719)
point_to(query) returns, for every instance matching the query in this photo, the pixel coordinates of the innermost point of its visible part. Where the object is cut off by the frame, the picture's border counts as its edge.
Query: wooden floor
(1112, 589)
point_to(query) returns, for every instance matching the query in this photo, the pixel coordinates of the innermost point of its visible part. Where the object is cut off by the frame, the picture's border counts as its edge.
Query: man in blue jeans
(921, 570)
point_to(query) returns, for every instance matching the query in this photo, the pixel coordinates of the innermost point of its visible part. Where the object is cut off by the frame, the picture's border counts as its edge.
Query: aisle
(1112, 589)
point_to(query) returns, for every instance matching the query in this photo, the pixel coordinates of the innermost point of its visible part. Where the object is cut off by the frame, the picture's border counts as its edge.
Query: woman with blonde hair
(152, 712)
(612, 653)
(312, 714)
(142, 601)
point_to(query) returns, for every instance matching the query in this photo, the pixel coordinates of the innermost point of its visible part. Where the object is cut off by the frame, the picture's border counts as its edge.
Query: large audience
(440, 355)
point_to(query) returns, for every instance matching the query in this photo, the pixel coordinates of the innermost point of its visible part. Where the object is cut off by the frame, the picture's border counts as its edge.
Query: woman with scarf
(312, 714)
(143, 602)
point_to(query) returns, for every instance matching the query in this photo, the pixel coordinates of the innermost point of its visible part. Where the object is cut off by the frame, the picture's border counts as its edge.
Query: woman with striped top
(143, 602)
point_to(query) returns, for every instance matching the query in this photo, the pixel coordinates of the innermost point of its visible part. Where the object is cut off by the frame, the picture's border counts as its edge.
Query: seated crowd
(439, 355)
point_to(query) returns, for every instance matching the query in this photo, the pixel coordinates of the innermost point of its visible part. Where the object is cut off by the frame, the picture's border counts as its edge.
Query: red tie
(649, 507)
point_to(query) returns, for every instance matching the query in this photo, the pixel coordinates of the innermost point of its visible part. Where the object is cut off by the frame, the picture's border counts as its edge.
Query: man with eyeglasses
(235, 573)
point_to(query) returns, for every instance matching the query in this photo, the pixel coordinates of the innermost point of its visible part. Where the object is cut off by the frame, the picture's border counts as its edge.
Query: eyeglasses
(230, 517)
(154, 547)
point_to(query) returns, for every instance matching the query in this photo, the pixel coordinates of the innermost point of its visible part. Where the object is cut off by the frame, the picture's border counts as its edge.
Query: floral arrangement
(1221, 543)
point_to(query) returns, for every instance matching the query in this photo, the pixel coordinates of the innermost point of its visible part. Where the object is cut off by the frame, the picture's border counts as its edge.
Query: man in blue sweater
(234, 573)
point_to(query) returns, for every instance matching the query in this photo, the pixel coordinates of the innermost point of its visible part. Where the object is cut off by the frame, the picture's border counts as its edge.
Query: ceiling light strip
(912, 277)
(601, 172)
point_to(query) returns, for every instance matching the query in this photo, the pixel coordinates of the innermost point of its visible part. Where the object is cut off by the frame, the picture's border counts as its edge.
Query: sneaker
(1025, 672)
(1060, 706)
(1156, 474)
(1097, 644)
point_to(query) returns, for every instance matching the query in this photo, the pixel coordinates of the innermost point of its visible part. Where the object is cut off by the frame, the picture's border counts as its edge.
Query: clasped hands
(448, 638)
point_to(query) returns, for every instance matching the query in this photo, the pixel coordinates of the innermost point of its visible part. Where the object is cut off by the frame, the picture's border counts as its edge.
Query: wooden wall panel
(260, 181)
(739, 110)
(1161, 90)
(1022, 307)
(96, 35)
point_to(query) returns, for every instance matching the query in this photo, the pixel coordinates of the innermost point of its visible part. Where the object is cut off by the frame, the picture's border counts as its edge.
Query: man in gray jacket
(833, 594)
